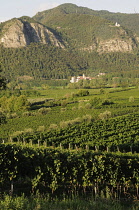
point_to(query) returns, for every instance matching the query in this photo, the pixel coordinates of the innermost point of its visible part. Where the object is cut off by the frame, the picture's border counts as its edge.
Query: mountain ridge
(129, 21)
(66, 41)
(68, 24)
(104, 34)
(81, 31)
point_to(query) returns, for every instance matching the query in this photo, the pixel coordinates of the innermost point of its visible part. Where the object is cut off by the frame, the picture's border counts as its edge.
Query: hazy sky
(17, 8)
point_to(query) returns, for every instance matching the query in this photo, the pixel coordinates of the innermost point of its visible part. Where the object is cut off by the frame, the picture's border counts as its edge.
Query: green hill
(129, 21)
(68, 40)
(40, 62)
(83, 27)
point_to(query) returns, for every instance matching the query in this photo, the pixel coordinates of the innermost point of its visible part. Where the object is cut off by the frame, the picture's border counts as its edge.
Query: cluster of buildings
(83, 77)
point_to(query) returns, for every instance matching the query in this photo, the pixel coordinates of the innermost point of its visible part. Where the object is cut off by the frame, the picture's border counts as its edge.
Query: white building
(117, 24)
(76, 79)
(73, 79)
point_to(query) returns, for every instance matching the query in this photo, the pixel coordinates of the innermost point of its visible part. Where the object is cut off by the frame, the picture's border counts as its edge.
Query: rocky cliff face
(116, 45)
(112, 45)
(20, 34)
(121, 42)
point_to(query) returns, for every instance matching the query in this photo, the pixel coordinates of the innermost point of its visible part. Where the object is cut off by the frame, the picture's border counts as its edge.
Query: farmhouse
(83, 77)
(76, 79)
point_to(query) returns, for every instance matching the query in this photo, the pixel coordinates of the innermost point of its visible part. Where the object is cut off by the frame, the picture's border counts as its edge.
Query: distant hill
(129, 21)
(86, 29)
(69, 40)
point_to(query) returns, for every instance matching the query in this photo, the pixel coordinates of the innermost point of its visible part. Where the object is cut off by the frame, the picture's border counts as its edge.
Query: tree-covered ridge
(88, 40)
(81, 29)
(129, 21)
(117, 63)
(75, 30)
(46, 62)
(40, 61)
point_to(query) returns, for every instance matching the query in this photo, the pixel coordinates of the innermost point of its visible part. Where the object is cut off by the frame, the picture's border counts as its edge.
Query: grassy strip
(78, 203)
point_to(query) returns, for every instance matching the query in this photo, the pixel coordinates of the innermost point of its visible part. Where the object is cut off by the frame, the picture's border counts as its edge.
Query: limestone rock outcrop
(116, 45)
(19, 33)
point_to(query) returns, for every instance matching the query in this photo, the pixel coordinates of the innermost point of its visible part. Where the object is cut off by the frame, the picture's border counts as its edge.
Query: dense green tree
(2, 81)
(21, 103)
(14, 103)
(2, 118)
(39, 62)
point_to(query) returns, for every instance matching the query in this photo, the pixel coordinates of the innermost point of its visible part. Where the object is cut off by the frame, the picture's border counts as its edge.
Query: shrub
(63, 109)
(64, 103)
(26, 114)
(17, 134)
(102, 91)
(49, 103)
(80, 107)
(87, 118)
(41, 128)
(131, 99)
(44, 110)
(105, 115)
(53, 126)
(28, 130)
(12, 115)
(31, 93)
(107, 102)
(95, 101)
(68, 95)
(77, 120)
(21, 103)
(88, 106)
(74, 108)
(63, 124)
(82, 93)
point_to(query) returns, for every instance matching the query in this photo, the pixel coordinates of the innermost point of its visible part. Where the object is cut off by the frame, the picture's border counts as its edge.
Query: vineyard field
(70, 108)
(81, 141)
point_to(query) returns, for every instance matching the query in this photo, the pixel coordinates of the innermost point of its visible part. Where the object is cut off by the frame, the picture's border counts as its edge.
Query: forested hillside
(66, 41)
(40, 62)
(129, 21)
(85, 30)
